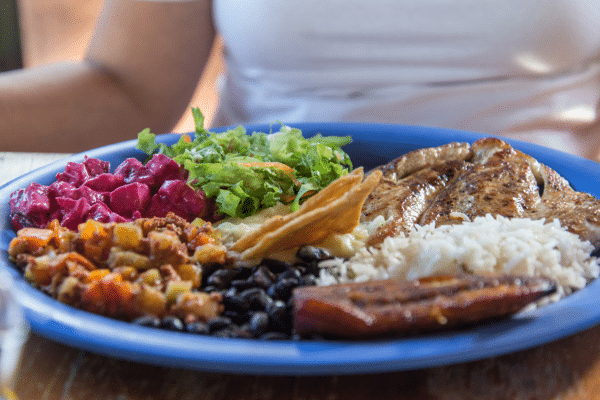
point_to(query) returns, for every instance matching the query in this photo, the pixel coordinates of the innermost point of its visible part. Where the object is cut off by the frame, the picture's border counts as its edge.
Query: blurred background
(59, 30)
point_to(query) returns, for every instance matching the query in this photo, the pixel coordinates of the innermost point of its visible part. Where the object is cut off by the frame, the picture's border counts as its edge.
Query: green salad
(246, 173)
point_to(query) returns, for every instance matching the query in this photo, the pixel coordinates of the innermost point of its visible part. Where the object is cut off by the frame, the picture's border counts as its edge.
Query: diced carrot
(112, 277)
(201, 239)
(97, 274)
(91, 227)
(116, 293)
(125, 292)
(92, 295)
(187, 138)
(79, 259)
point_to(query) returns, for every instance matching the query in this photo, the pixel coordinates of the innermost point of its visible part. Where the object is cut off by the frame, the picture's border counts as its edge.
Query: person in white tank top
(526, 69)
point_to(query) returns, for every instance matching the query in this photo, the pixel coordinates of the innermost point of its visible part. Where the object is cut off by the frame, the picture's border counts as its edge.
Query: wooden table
(567, 369)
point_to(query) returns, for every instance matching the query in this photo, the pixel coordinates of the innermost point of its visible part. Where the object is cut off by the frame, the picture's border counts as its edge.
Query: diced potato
(151, 277)
(64, 238)
(74, 257)
(162, 241)
(151, 301)
(67, 291)
(190, 272)
(210, 253)
(199, 306)
(127, 272)
(39, 270)
(118, 257)
(166, 248)
(17, 246)
(30, 240)
(175, 288)
(127, 235)
(124, 270)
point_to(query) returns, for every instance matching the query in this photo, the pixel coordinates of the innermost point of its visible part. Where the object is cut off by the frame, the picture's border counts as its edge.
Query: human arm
(143, 63)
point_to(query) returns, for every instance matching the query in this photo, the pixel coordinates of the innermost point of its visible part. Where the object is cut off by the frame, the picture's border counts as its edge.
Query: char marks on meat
(449, 183)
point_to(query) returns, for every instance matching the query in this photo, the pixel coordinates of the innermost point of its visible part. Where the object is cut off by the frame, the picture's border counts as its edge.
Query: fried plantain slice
(393, 308)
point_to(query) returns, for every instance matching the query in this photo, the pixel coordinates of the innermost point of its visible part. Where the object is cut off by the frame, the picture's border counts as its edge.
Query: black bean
(243, 273)
(289, 274)
(198, 327)
(283, 289)
(230, 293)
(210, 288)
(222, 278)
(275, 266)
(242, 284)
(289, 306)
(312, 253)
(302, 268)
(236, 303)
(257, 298)
(259, 323)
(315, 337)
(234, 316)
(208, 270)
(245, 327)
(277, 315)
(173, 323)
(263, 277)
(271, 292)
(148, 320)
(219, 323)
(312, 269)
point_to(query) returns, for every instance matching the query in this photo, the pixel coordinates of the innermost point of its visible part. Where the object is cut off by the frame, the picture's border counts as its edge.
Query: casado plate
(373, 144)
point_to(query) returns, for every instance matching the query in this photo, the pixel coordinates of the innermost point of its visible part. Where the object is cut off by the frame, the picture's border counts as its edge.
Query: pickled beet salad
(87, 190)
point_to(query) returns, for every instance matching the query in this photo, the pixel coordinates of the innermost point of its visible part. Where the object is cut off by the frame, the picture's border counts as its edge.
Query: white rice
(486, 244)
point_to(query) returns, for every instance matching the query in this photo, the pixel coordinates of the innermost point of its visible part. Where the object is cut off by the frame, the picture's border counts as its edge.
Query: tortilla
(335, 209)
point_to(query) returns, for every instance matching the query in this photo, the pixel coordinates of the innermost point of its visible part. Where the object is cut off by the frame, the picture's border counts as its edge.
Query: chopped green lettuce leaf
(244, 172)
(146, 141)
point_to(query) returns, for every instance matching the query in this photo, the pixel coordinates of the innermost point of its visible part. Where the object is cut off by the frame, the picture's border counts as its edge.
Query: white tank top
(525, 69)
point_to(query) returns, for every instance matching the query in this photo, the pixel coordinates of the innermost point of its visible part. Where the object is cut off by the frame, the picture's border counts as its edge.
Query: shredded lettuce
(233, 166)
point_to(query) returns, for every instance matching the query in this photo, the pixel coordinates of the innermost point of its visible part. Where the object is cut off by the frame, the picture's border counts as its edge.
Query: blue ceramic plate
(373, 145)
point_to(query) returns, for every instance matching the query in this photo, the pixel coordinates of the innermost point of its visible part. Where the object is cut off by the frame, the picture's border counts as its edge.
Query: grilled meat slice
(422, 158)
(402, 203)
(393, 308)
(578, 212)
(493, 178)
(502, 184)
